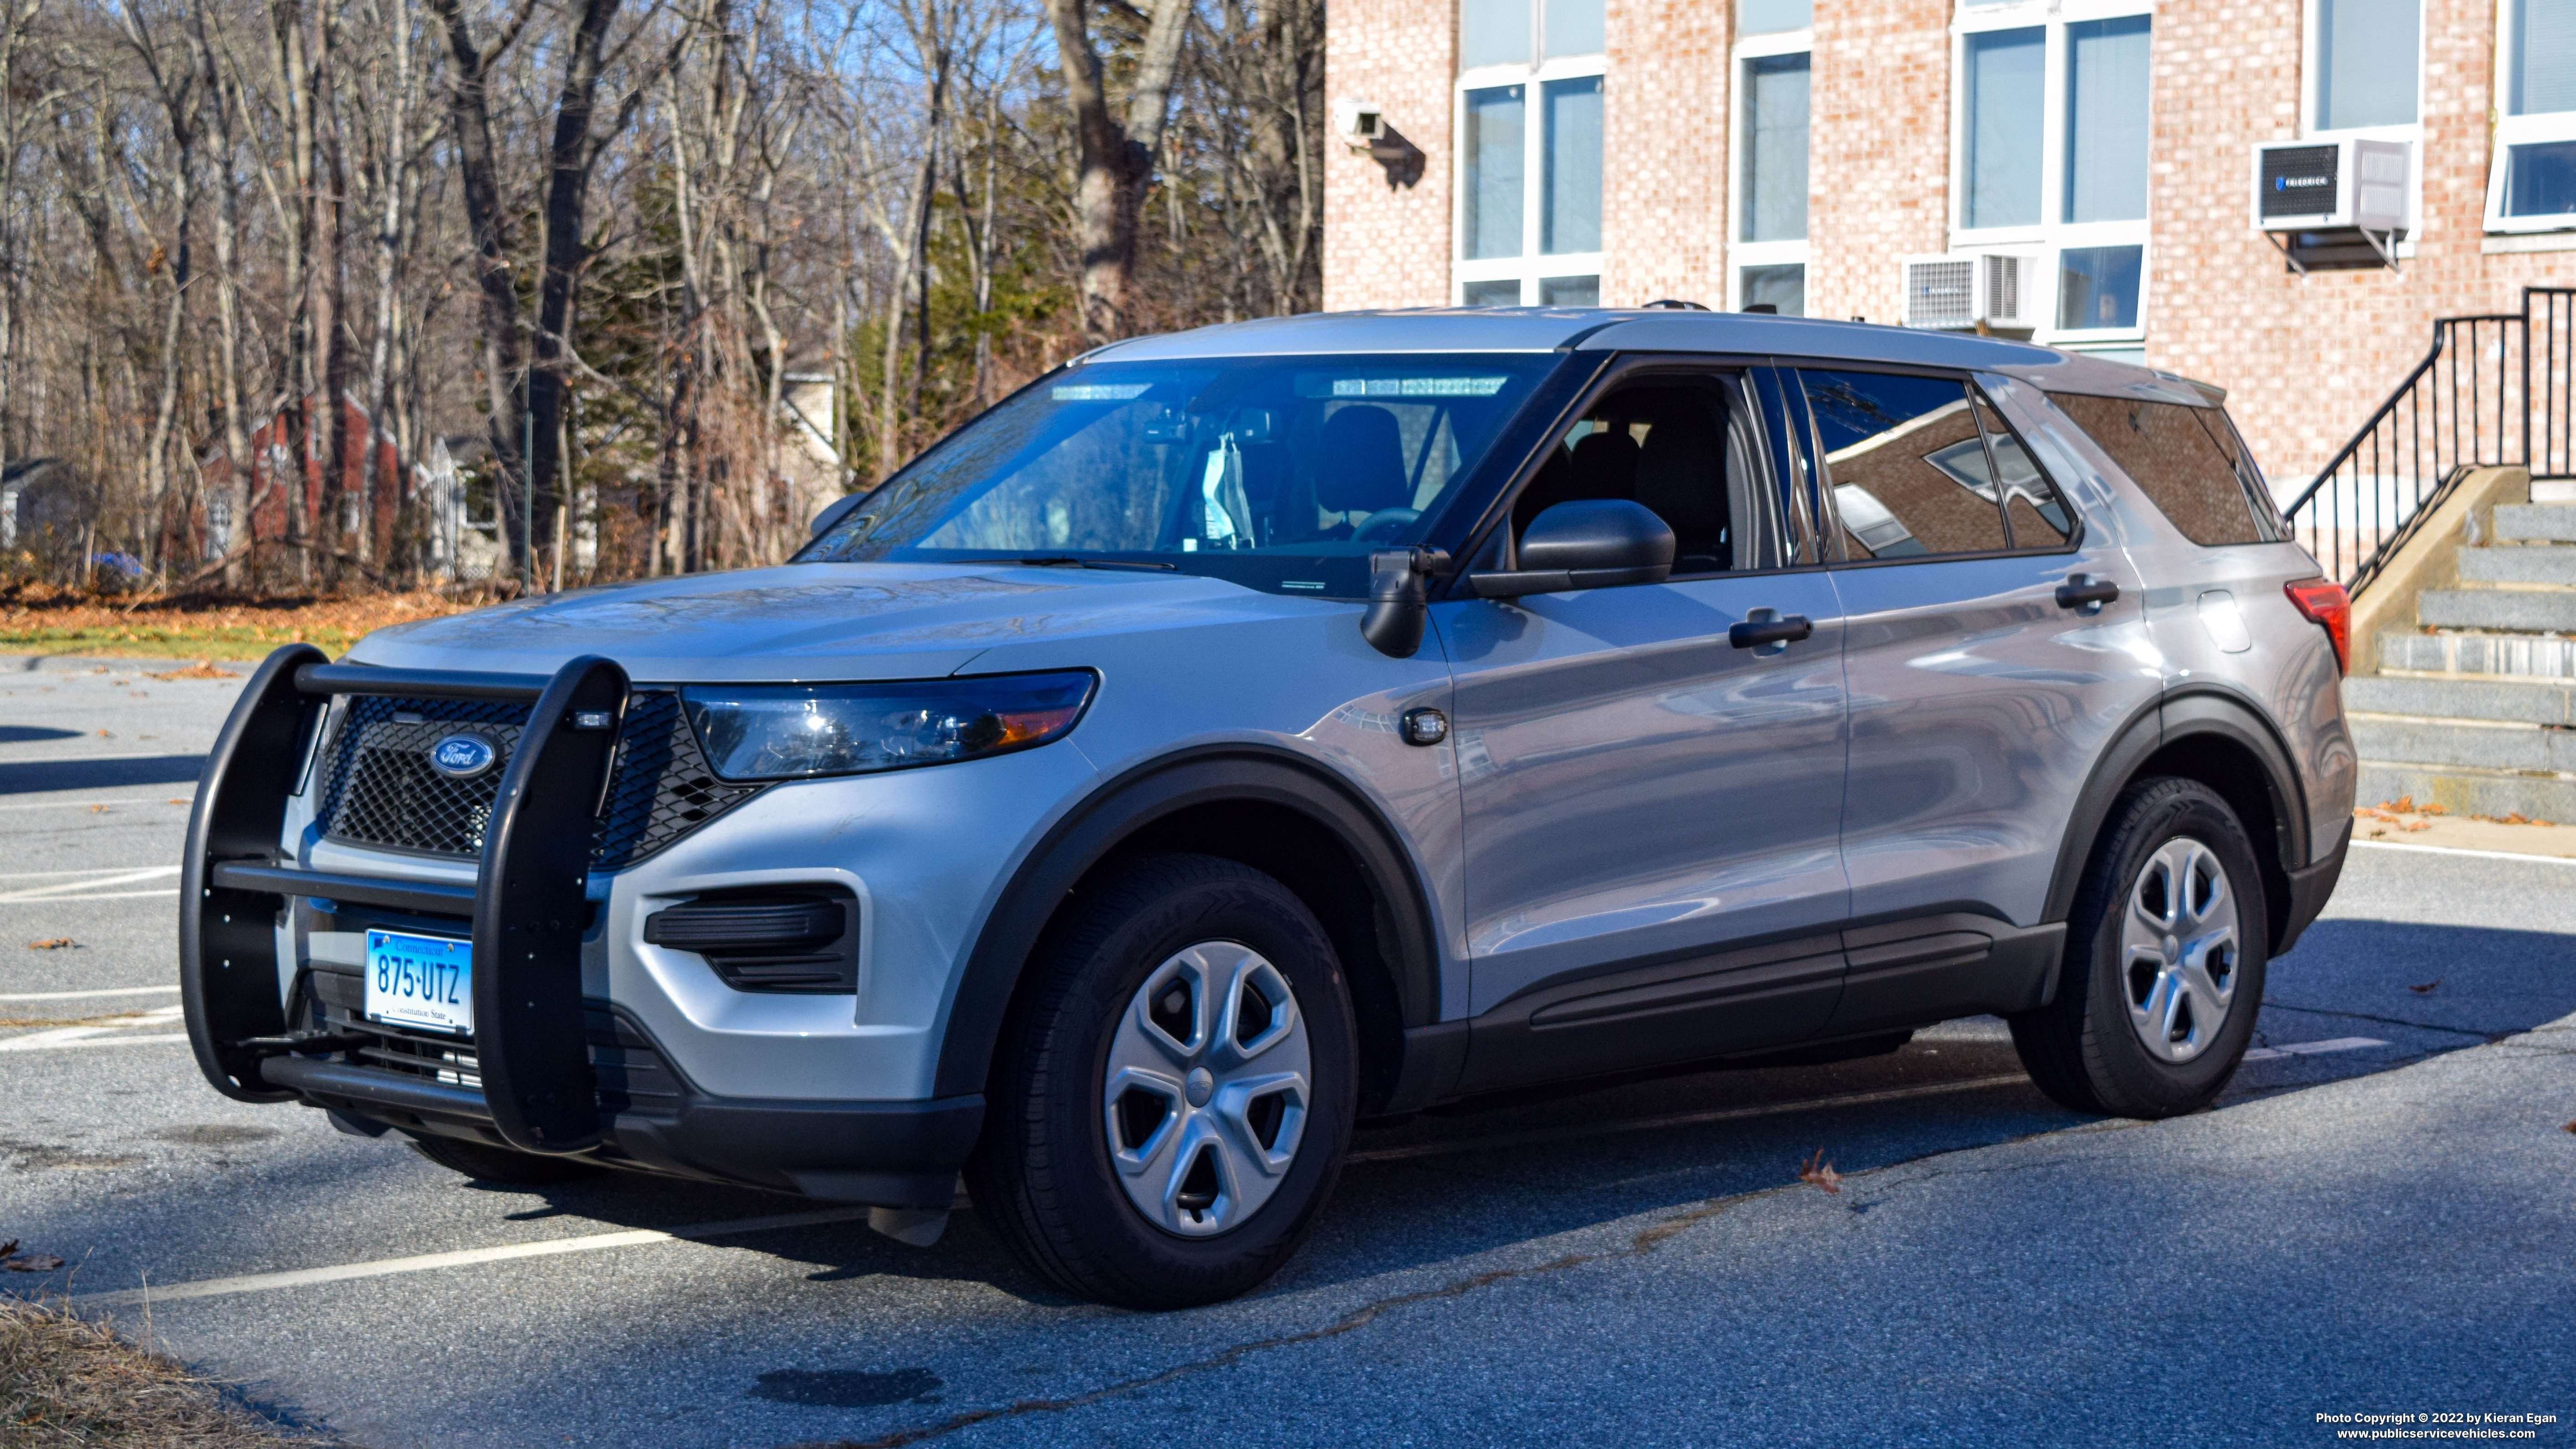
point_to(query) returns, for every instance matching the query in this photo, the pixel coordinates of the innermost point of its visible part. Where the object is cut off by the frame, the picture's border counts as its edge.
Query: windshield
(1276, 472)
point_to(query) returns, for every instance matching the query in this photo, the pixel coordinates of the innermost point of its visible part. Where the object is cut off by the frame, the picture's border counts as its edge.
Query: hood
(808, 621)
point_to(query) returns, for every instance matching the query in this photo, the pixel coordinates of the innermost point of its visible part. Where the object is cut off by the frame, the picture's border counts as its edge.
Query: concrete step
(2537, 611)
(2474, 699)
(2536, 522)
(2520, 656)
(2478, 744)
(2553, 490)
(2519, 564)
(2464, 791)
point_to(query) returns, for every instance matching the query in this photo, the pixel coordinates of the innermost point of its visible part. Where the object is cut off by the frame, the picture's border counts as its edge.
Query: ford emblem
(462, 757)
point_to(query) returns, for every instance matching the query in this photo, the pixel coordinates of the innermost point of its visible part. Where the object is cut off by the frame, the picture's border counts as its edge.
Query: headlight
(784, 731)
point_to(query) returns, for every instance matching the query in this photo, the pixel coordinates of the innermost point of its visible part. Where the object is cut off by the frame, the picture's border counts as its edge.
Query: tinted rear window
(2186, 459)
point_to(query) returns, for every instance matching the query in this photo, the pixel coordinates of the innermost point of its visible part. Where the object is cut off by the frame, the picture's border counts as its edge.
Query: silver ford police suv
(1237, 734)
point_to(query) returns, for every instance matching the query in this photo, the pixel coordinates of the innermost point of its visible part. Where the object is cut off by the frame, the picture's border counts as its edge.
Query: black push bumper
(538, 1075)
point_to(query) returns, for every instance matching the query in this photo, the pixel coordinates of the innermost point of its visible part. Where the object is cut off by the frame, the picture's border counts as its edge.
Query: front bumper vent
(768, 939)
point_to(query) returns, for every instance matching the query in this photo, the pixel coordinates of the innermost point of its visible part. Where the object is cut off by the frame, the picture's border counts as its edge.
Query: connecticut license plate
(420, 981)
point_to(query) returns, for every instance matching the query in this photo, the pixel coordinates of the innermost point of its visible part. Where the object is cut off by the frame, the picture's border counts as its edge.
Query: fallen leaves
(2427, 988)
(46, 620)
(15, 1262)
(1821, 1173)
(54, 943)
(202, 669)
(2514, 817)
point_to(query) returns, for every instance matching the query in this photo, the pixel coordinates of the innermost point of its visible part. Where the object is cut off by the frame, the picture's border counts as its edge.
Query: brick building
(1794, 152)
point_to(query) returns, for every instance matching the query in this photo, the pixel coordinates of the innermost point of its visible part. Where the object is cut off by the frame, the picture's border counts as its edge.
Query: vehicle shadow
(26, 777)
(1481, 1178)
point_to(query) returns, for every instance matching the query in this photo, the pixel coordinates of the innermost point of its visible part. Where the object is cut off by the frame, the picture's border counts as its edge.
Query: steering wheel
(1383, 525)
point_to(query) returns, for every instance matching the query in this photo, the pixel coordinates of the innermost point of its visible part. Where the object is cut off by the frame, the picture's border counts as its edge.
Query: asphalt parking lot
(2377, 1220)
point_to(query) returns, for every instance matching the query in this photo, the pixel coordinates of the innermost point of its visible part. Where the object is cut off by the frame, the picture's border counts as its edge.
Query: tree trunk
(477, 175)
(1114, 160)
(237, 459)
(567, 196)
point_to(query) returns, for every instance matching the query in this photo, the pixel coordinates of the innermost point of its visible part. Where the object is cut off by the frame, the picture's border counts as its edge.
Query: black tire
(499, 1164)
(1043, 1175)
(2082, 1048)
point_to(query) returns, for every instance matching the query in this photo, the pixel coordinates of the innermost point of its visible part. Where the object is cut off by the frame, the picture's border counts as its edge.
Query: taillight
(2325, 602)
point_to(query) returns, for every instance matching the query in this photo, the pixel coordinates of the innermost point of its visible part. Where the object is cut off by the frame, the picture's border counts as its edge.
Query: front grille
(378, 788)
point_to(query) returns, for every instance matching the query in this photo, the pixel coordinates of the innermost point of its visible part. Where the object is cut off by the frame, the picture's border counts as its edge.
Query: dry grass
(40, 620)
(66, 1381)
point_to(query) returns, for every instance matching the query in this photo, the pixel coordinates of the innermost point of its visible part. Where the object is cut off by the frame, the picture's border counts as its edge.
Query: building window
(1769, 258)
(2050, 159)
(2363, 67)
(2366, 54)
(1529, 149)
(2533, 185)
(2007, 107)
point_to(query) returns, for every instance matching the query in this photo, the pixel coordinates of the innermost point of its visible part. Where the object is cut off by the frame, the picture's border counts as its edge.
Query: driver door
(1651, 814)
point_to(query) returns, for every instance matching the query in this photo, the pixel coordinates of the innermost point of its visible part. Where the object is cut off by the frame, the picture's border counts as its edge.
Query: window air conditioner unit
(2331, 185)
(1962, 289)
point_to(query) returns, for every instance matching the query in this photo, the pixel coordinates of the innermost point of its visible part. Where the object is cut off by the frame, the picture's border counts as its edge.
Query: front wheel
(2165, 954)
(1173, 1097)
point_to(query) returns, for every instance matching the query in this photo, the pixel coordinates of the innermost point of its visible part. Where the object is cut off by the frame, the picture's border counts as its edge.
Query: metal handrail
(2473, 401)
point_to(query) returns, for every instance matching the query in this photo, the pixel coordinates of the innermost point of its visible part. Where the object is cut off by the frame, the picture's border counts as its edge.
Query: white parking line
(426, 1262)
(2462, 850)
(101, 991)
(2312, 1048)
(100, 1033)
(30, 1044)
(101, 896)
(104, 878)
(89, 870)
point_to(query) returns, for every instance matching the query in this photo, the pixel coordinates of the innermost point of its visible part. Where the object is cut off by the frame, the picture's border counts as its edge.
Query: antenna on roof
(1673, 304)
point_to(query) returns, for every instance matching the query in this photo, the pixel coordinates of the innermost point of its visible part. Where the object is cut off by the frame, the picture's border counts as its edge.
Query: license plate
(420, 981)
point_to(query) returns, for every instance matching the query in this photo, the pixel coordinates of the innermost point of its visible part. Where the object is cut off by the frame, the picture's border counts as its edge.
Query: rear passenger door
(1980, 696)
(1651, 811)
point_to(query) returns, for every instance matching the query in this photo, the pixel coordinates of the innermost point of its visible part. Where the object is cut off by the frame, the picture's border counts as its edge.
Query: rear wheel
(500, 1164)
(1173, 1097)
(2165, 954)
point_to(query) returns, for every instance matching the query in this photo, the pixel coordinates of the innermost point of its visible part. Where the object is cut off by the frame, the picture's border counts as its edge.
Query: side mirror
(1591, 543)
(1399, 588)
(833, 512)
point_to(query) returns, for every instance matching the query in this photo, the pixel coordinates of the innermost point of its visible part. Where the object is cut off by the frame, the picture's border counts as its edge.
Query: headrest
(1265, 475)
(1681, 472)
(1604, 465)
(1359, 462)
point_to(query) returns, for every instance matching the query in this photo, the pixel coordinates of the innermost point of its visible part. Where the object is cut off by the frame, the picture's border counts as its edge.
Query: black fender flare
(2172, 718)
(1111, 815)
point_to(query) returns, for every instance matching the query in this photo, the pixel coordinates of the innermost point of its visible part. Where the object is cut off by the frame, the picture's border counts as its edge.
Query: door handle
(2079, 592)
(1769, 629)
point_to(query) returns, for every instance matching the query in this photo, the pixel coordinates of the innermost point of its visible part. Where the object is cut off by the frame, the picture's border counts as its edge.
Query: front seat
(1359, 465)
(1681, 475)
(1601, 465)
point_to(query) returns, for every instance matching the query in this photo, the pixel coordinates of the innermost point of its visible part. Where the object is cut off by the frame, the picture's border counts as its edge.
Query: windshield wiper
(1068, 561)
